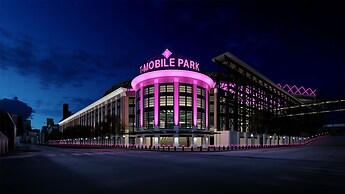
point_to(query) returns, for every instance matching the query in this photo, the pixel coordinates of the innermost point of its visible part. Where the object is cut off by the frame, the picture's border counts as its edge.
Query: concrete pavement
(316, 168)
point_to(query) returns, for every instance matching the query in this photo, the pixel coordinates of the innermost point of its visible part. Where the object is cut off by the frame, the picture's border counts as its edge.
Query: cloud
(51, 65)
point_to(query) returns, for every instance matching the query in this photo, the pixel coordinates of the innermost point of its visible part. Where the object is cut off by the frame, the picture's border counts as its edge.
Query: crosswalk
(79, 154)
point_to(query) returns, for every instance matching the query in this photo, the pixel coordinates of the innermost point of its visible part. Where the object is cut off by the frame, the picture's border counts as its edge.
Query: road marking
(76, 154)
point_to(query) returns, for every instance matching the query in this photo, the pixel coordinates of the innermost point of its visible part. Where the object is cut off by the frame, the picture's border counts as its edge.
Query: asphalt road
(316, 168)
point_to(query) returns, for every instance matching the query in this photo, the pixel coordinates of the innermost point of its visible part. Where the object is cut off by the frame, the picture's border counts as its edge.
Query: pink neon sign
(167, 53)
(298, 90)
(201, 78)
(174, 62)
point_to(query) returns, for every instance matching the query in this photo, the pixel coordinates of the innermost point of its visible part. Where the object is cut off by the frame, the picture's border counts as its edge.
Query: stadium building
(172, 103)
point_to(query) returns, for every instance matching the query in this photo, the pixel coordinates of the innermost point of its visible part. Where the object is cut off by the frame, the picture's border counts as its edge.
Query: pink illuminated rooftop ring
(199, 77)
(167, 53)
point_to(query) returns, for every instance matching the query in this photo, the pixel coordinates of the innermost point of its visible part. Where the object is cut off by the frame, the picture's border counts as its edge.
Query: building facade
(171, 103)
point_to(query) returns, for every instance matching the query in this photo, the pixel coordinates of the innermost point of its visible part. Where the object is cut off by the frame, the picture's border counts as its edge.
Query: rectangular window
(182, 88)
(162, 88)
(162, 101)
(162, 119)
(170, 100)
(131, 111)
(199, 103)
(199, 120)
(151, 90)
(130, 100)
(182, 101)
(148, 90)
(185, 119)
(151, 101)
(146, 102)
(170, 119)
(166, 119)
(199, 91)
(170, 88)
(189, 101)
(189, 89)
(211, 108)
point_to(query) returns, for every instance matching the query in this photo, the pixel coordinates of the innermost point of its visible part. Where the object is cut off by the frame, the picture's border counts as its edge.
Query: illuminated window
(201, 120)
(199, 102)
(185, 88)
(162, 101)
(166, 119)
(170, 88)
(185, 119)
(189, 101)
(185, 101)
(170, 100)
(149, 90)
(166, 95)
(148, 120)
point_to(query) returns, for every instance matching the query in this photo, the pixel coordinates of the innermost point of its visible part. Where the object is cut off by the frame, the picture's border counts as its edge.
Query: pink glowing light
(156, 89)
(201, 78)
(167, 53)
(195, 104)
(176, 101)
(142, 107)
(206, 106)
(298, 90)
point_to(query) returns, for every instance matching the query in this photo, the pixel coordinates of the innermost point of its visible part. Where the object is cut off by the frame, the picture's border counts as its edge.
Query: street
(317, 168)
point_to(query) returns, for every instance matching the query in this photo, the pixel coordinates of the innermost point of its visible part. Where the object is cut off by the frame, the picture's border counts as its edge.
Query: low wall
(3, 144)
(236, 138)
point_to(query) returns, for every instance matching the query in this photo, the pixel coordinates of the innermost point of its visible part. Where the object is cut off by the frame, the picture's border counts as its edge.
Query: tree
(114, 126)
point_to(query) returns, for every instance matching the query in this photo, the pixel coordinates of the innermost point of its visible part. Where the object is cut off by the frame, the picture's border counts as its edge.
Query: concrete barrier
(3, 144)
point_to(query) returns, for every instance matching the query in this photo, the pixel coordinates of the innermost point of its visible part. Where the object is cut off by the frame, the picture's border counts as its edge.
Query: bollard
(200, 148)
(169, 148)
(158, 148)
(228, 147)
(208, 148)
(163, 148)
(182, 148)
(145, 147)
(223, 148)
(174, 148)
(191, 148)
(154, 147)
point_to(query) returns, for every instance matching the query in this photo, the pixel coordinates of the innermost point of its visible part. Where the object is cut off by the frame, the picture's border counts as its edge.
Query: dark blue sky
(73, 51)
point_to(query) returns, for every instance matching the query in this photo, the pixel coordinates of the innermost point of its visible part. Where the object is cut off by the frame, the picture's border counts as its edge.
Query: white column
(245, 138)
(205, 141)
(156, 141)
(176, 141)
(194, 141)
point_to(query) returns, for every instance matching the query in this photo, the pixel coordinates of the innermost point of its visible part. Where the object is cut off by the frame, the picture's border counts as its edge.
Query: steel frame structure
(247, 100)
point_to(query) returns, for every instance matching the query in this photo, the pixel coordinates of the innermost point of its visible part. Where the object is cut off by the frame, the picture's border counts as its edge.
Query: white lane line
(76, 154)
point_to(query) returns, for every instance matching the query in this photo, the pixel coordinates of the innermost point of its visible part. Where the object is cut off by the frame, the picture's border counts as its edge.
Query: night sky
(73, 51)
